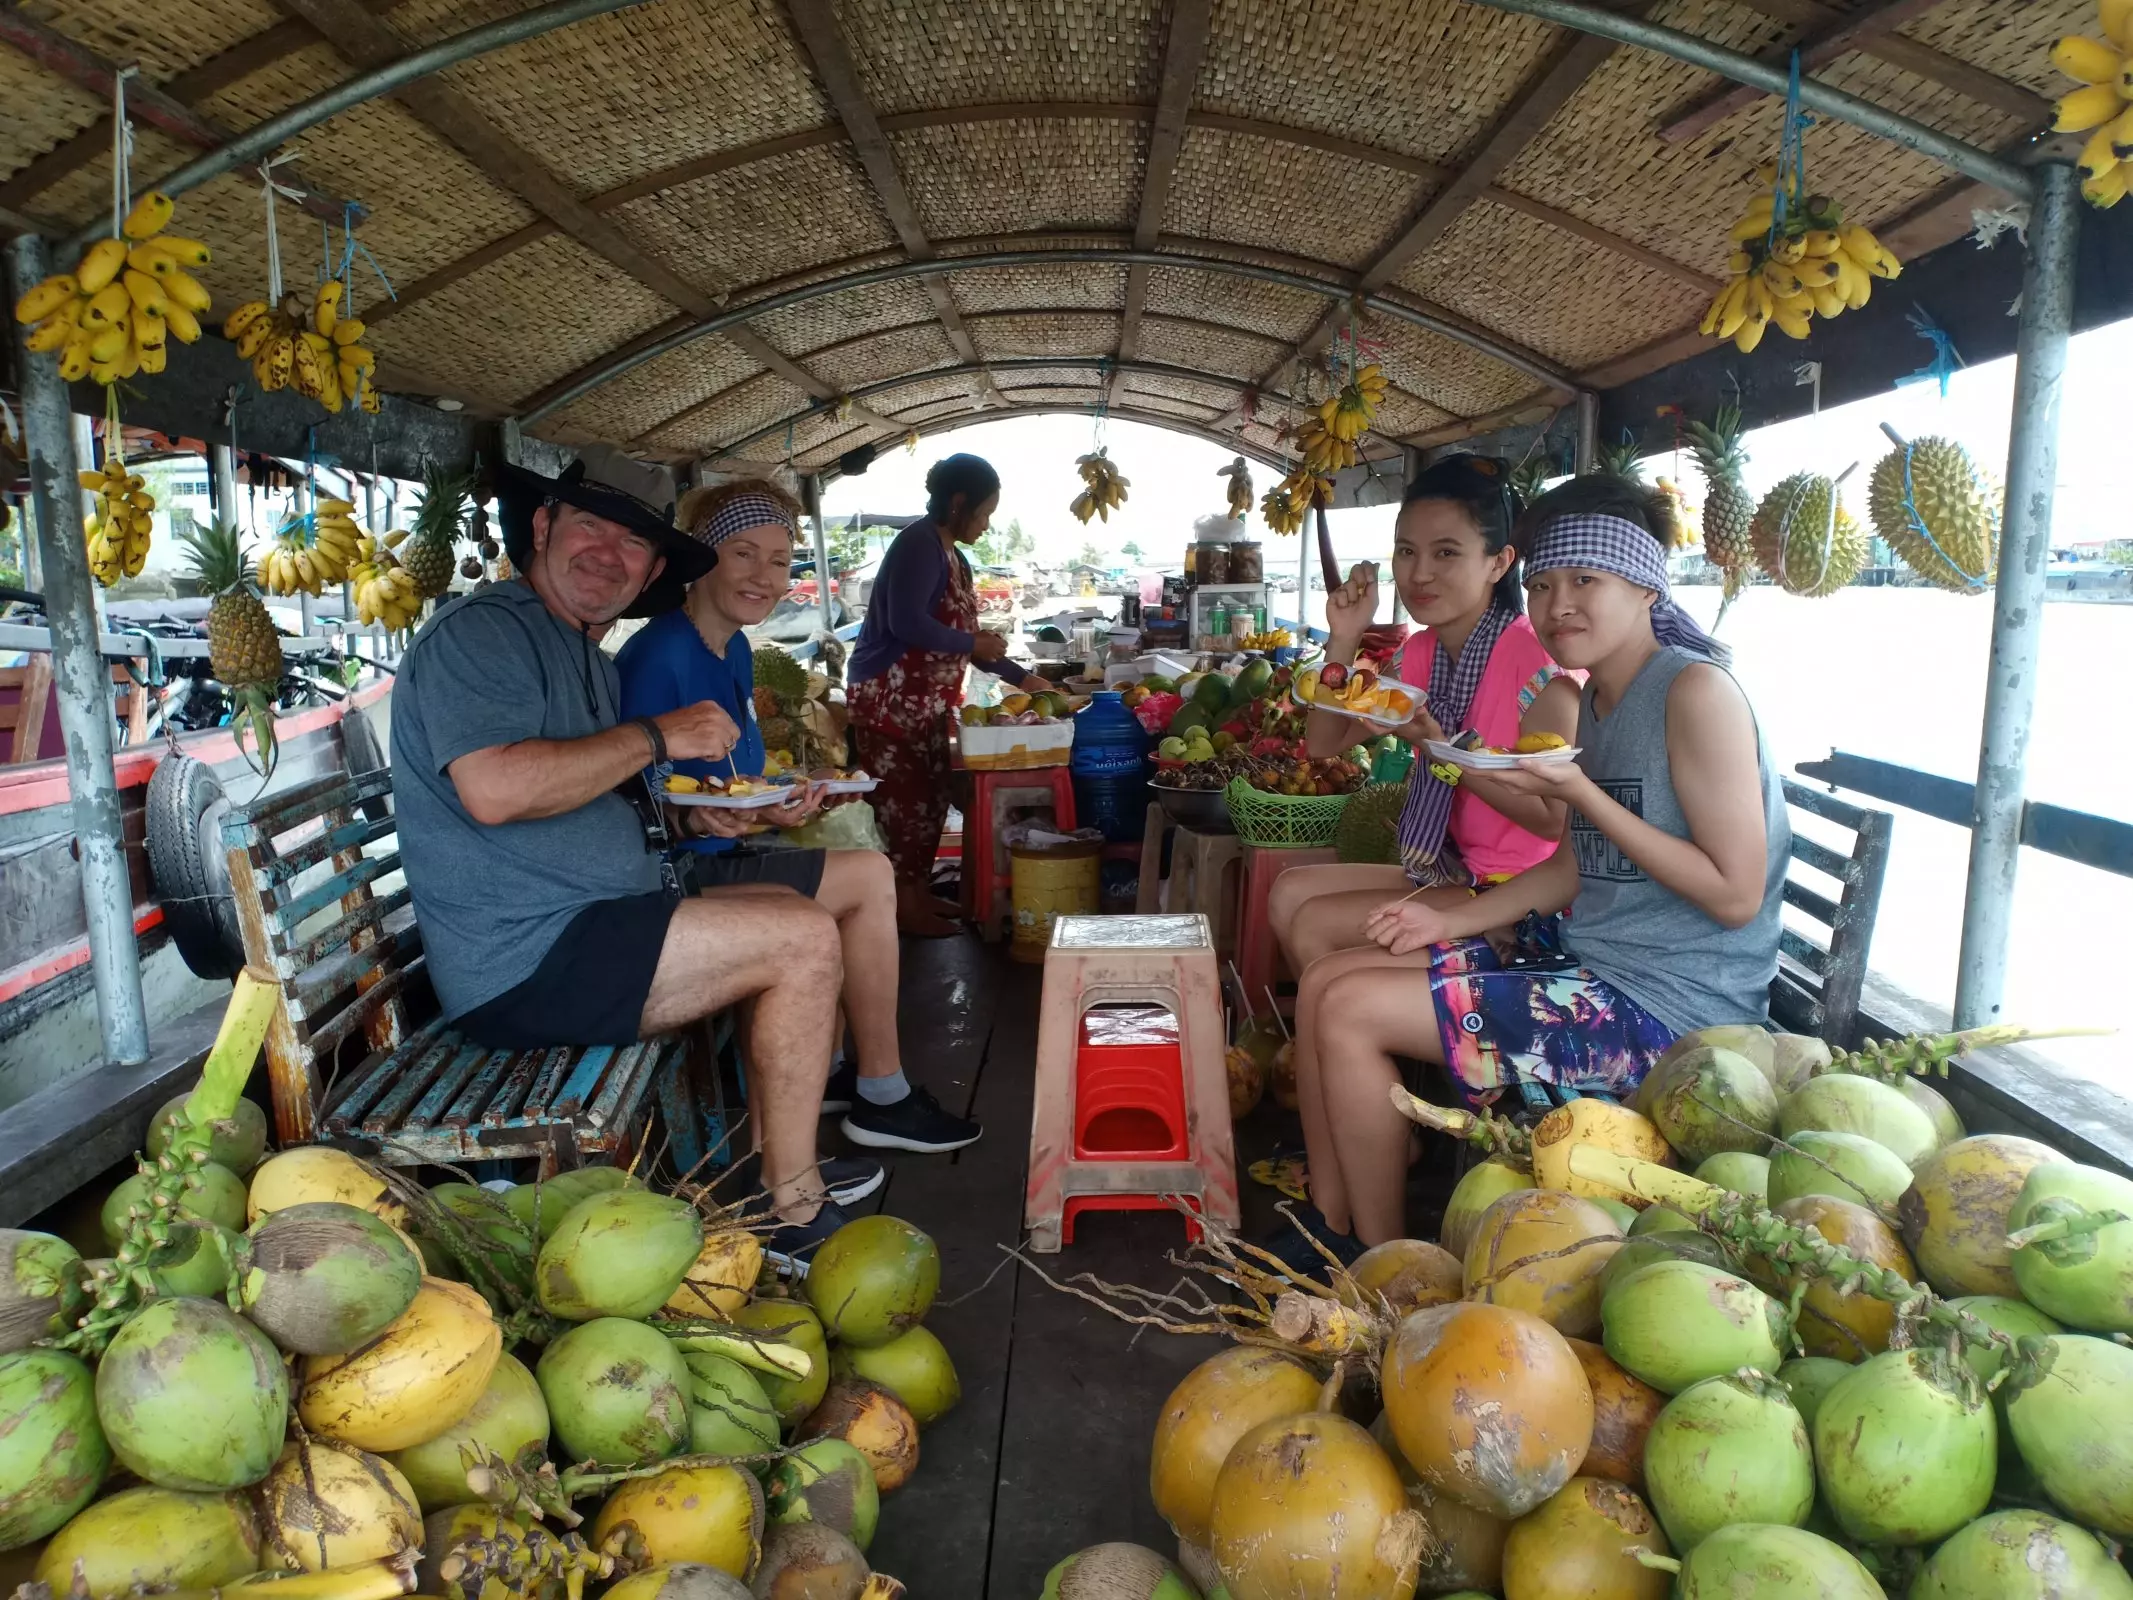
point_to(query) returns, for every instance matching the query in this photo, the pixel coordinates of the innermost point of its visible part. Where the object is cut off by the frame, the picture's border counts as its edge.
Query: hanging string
(351, 247)
(1103, 402)
(1791, 190)
(121, 152)
(1941, 365)
(273, 185)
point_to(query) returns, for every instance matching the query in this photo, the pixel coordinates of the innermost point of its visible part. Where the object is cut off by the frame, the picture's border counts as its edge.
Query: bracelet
(659, 742)
(1445, 773)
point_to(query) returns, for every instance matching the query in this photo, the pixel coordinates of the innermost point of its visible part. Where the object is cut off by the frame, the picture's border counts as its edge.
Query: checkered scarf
(1452, 686)
(744, 511)
(1619, 546)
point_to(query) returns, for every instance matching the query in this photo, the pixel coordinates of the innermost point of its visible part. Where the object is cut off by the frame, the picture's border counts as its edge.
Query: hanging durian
(1805, 539)
(1939, 511)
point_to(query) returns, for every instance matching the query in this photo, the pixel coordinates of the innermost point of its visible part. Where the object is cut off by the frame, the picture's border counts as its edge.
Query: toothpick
(1283, 1022)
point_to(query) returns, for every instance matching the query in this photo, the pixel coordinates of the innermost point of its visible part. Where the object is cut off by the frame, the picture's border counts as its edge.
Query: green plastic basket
(1283, 821)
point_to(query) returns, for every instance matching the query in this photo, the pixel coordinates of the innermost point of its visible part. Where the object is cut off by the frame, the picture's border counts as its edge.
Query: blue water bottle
(1108, 765)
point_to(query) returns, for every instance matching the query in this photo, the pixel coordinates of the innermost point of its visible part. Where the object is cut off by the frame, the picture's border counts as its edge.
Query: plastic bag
(847, 827)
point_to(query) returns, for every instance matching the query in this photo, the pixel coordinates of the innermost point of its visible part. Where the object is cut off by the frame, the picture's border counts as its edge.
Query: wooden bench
(314, 872)
(1818, 983)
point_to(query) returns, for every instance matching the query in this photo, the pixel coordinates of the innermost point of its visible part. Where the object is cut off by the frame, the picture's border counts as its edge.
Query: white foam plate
(719, 802)
(1488, 761)
(849, 785)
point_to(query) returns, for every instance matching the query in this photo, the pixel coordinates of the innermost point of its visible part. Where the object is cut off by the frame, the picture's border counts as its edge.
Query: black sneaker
(792, 1245)
(1294, 1247)
(841, 1090)
(846, 1179)
(916, 1122)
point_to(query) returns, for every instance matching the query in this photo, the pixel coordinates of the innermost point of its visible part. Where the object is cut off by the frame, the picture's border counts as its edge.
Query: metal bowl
(1203, 810)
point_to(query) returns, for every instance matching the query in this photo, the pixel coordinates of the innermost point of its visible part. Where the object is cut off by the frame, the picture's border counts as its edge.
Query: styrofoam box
(1043, 744)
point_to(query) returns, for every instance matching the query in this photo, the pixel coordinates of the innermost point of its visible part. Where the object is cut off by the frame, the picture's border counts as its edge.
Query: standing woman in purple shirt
(906, 676)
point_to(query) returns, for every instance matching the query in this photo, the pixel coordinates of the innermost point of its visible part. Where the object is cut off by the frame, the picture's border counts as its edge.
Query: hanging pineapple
(440, 519)
(1240, 488)
(113, 315)
(1939, 511)
(1624, 461)
(244, 646)
(1805, 539)
(2104, 102)
(1529, 479)
(1728, 512)
(119, 530)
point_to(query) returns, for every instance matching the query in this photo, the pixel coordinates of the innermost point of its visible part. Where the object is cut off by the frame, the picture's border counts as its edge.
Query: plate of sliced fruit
(1548, 747)
(1360, 693)
(730, 794)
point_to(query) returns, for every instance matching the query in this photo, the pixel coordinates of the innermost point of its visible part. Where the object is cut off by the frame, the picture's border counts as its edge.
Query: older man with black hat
(523, 800)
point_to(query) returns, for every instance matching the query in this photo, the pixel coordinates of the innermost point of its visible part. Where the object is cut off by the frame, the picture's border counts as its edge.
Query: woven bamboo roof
(1536, 211)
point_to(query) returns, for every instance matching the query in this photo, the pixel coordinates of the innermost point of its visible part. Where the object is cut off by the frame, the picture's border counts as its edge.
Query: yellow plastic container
(1060, 882)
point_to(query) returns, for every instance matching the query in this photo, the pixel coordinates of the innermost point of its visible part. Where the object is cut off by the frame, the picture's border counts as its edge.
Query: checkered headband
(744, 511)
(1617, 545)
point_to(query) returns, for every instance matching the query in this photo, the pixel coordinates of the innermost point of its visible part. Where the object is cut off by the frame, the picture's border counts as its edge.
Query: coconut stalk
(1926, 1054)
(1494, 1136)
(370, 1580)
(118, 1289)
(1752, 1230)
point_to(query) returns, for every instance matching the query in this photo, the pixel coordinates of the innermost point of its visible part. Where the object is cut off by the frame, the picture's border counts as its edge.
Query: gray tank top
(1668, 955)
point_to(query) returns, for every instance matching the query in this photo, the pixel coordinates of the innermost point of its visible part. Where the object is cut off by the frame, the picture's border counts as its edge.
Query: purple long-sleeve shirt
(913, 576)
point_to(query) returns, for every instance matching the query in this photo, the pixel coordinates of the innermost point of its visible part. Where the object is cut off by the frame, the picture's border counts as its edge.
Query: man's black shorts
(590, 988)
(800, 870)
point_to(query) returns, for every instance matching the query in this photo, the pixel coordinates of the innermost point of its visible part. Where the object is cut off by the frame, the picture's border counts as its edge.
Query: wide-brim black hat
(520, 493)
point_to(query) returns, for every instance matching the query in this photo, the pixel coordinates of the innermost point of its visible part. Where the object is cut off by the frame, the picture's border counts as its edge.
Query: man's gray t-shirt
(495, 668)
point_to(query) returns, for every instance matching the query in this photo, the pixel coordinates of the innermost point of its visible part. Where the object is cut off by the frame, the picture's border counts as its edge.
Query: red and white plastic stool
(1132, 1102)
(1258, 951)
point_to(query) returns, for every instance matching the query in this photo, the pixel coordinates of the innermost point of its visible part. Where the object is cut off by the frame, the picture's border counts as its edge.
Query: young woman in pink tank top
(1457, 573)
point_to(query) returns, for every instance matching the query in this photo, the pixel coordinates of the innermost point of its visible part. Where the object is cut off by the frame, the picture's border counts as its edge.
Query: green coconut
(1765, 1561)
(139, 1541)
(2070, 1409)
(1758, 1046)
(1796, 1057)
(789, 1322)
(505, 1243)
(1713, 1100)
(555, 1196)
(1808, 1379)
(1904, 1455)
(1116, 1572)
(1738, 1170)
(914, 1367)
(53, 1454)
(1670, 1244)
(216, 1194)
(618, 1254)
(617, 1393)
(1843, 1102)
(192, 1396)
(2072, 1270)
(1954, 1215)
(510, 1420)
(1848, 1165)
(1676, 1323)
(41, 1293)
(826, 1481)
(2022, 1555)
(197, 1261)
(1728, 1449)
(1947, 1122)
(678, 1580)
(238, 1141)
(1661, 1219)
(1623, 1213)
(1480, 1187)
(321, 1278)
(729, 1414)
(2018, 1319)
(873, 1279)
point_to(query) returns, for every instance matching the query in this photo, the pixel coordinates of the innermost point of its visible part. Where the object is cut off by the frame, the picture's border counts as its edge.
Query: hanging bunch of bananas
(1105, 489)
(113, 315)
(2104, 102)
(1791, 267)
(1287, 504)
(1324, 451)
(317, 352)
(119, 529)
(1240, 487)
(1348, 414)
(385, 592)
(301, 562)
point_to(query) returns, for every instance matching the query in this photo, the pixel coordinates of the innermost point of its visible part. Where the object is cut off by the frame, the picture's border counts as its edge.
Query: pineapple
(1799, 545)
(1727, 510)
(244, 646)
(1624, 461)
(1954, 539)
(1529, 479)
(439, 520)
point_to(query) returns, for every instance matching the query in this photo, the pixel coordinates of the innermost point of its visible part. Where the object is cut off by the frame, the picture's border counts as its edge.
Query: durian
(1958, 510)
(779, 673)
(1368, 831)
(1798, 544)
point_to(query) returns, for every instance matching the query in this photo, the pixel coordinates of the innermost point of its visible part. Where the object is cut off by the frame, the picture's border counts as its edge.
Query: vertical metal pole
(2018, 596)
(1303, 593)
(1588, 459)
(222, 482)
(82, 680)
(299, 504)
(811, 486)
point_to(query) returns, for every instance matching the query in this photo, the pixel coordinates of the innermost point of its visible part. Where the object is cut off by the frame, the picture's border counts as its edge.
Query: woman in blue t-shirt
(698, 652)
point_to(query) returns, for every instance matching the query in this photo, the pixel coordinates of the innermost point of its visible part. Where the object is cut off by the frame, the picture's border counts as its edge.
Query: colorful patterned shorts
(1541, 1025)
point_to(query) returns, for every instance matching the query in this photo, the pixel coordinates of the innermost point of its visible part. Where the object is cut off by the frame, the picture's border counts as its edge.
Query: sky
(1174, 482)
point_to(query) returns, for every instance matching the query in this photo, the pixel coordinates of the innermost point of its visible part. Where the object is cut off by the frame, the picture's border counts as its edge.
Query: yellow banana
(186, 290)
(145, 292)
(1828, 303)
(325, 306)
(183, 325)
(106, 343)
(2088, 60)
(47, 298)
(2100, 154)
(245, 316)
(186, 252)
(1781, 279)
(50, 334)
(348, 330)
(100, 263)
(150, 215)
(1791, 318)
(2109, 189)
(1820, 242)
(107, 305)
(1750, 334)
(2090, 106)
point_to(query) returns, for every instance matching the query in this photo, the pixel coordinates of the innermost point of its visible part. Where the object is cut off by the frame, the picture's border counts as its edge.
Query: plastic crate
(1283, 821)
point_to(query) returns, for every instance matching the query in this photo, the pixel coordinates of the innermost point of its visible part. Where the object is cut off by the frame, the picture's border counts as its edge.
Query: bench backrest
(22, 712)
(1818, 983)
(305, 866)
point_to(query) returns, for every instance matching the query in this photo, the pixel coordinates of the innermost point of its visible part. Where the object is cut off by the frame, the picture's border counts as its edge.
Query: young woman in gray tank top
(1660, 907)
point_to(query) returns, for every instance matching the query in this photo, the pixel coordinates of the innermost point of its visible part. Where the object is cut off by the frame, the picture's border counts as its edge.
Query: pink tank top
(1491, 844)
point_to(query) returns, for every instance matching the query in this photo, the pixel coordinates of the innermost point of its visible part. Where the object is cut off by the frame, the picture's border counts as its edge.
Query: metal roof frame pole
(82, 681)
(1588, 457)
(2018, 596)
(811, 491)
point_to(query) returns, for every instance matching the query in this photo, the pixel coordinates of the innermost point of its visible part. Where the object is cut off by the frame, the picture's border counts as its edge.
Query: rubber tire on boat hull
(186, 866)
